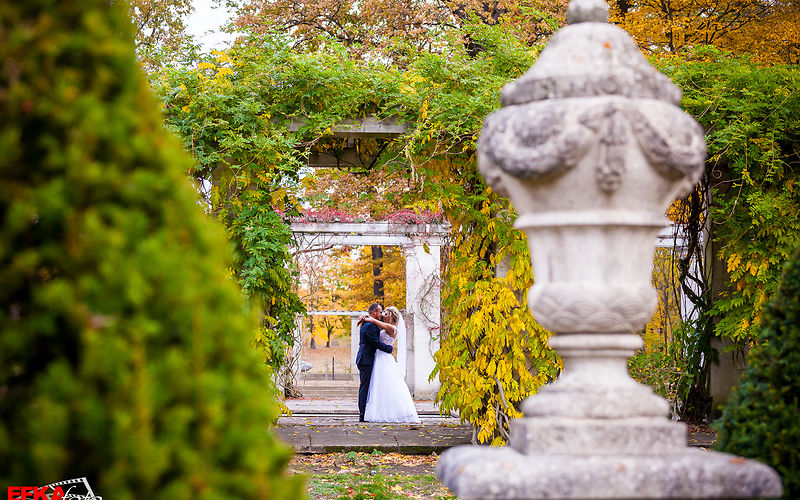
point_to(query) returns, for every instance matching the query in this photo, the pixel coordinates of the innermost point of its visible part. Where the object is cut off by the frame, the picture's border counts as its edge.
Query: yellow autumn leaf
(733, 262)
(221, 57)
(223, 72)
(423, 112)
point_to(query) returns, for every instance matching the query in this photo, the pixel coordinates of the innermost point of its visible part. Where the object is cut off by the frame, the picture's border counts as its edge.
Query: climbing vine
(740, 223)
(493, 353)
(750, 113)
(252, 115)
(246, 171)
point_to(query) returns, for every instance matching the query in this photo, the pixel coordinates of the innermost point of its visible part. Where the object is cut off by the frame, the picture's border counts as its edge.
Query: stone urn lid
(591, 126)
(590, 58)
(591, 149)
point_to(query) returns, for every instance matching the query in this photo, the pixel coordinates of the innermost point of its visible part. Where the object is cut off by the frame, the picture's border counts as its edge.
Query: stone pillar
(410, 364)
(591, 148)
(354, 340)
(725, 373)
(423, 305)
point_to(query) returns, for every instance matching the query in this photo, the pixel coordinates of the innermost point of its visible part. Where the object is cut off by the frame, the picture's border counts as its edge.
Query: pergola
(422, 244)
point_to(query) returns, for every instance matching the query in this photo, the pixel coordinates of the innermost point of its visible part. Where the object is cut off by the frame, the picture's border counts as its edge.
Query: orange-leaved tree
(369, 24)
(770, 30)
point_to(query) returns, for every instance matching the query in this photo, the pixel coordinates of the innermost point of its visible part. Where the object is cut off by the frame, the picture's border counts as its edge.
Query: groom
(369, 341)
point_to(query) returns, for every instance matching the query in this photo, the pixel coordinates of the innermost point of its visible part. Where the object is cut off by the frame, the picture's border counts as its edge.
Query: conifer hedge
(125, 349)
(762, 418)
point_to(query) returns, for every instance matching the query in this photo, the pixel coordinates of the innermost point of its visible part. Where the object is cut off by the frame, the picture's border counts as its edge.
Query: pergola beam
(366, 127)
(321, 234)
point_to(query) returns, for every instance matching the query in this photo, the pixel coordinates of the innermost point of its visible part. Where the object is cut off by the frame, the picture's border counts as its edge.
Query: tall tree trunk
(377, 266)
(329, 329)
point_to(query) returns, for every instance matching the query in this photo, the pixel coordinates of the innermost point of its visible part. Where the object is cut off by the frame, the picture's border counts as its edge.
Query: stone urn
(592, 148)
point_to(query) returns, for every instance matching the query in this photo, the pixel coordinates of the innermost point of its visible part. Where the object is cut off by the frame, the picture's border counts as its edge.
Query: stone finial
(590, 59)
(587, 11)
(592, 148)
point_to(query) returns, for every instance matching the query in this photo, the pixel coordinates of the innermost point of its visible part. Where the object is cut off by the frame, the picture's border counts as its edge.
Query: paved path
(331, 425)
(346, 406)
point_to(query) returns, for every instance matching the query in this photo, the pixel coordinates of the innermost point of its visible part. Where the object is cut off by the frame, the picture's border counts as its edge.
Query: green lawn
(376, 475)
(376, 487)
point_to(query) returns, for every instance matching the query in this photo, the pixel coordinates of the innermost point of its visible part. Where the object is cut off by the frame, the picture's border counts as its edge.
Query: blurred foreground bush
(762, 418)
(125, 349)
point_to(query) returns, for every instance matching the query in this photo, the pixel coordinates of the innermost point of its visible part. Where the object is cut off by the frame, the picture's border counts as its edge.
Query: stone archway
(422, 244)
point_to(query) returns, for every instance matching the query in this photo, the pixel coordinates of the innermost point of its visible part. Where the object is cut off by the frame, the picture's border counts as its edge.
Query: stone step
(328, 383)
(350, 435)
(311, 393)
(322, 377)
(332, 385)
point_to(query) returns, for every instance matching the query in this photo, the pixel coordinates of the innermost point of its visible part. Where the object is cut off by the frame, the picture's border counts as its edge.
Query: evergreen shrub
(762, 418)
(125, 347)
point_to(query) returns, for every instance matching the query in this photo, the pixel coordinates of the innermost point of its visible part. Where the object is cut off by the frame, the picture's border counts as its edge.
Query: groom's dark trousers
(369, 342)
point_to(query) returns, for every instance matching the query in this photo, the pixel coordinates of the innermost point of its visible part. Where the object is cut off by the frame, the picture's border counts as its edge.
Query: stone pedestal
(483, 473)
(591, 148)
(597, 434)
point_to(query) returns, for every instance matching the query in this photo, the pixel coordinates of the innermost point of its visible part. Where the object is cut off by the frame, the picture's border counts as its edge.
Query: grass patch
(368, 476)
(376, 487)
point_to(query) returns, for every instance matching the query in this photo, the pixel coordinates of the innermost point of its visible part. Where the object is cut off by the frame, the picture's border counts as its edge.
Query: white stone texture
(424, 302)
(475, 472)
(355, 338)
(630, 436)
(591, 148)
(595, 381)
(319, 235)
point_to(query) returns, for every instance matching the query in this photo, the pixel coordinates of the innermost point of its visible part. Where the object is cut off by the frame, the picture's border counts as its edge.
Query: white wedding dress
(389, 399)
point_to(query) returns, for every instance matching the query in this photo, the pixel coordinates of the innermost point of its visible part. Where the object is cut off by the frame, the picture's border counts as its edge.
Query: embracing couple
(383, 395)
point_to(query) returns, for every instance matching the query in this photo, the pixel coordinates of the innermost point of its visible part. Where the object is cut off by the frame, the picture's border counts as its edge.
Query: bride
(388, 399)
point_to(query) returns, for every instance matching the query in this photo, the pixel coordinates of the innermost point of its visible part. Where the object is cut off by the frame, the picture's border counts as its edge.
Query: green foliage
(666, 368)
(234, 112)
(226, 125)
(124, 346)
(660, 370)
(235, 109)
(751, 114)
(265, 274)
(493, 354)
(761, 419)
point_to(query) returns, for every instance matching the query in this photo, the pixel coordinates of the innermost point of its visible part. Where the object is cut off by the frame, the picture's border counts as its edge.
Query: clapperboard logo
(75, 489)
(71, 489)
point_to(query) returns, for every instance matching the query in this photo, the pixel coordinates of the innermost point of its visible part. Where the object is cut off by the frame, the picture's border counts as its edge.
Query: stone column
(591, 148)
(354, 340)
(410, 364)
(423, 303)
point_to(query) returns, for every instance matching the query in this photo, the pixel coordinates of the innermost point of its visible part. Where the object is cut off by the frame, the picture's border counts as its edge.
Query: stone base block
(555, 435)
(597, 402)
(481, 472)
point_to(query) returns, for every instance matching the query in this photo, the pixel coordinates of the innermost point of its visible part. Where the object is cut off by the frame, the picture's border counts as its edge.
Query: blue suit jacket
(369, 342)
